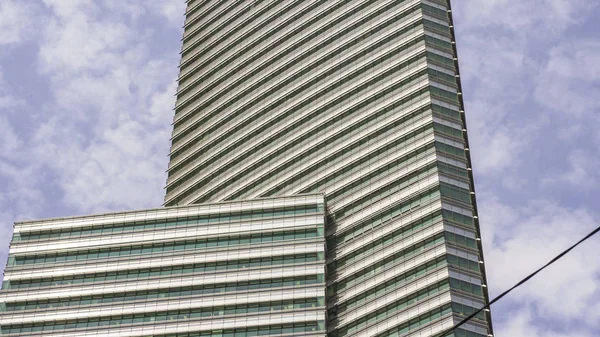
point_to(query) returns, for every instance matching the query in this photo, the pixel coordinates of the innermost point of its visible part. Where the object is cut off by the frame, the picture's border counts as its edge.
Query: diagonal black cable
(558, 257)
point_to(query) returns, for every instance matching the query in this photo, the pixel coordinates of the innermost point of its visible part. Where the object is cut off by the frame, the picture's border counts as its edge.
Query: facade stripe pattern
(361, 101)
(188, 271)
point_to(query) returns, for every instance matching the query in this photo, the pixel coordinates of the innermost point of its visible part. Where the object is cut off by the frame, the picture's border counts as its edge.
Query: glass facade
(319, 183)
(360, 101)
(233, 268)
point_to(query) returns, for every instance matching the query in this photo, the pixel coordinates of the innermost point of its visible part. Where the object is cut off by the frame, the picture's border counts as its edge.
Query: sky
(87, 90)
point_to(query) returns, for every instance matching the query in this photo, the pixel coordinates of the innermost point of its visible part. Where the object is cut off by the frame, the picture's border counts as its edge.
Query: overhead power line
(558, 257)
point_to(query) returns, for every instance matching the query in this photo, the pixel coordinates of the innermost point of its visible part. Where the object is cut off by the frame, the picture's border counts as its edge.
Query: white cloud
(582, 172)
(77, 42)
(20, 197)
(9, 141)
(8, 101)
(67, 8)
(519, 240)
(17, 21)
(498, 137)
(522, 323)
(500, 70)
(171, 10)
(532, 17)
(107, 137)
(99, 141)
(493, 85)
(568, 86)
(570, 80)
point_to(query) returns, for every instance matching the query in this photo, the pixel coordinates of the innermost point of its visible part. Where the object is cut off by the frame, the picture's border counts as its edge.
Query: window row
(448, 130)
(466, 264)
(392, 284)
(218, 288)
(367, 179)
(435, 12)
(163, 271)
(424, 221)
(427, 21)
(404, 278)
(413, 324)
(417, 322)
(281, 329)
(389, 240)
(444, 94)
(446, 112)
(269, 35)
(390, 262)
(466, 333)
(458, 218)
(394, 307)
(403, 302)
(452, 170)
(465, 310)
(151, 317)
(202, 21)
(444, 61)
(437, 28)
(394, 187)
(466, 287)
(406, 206)
(453, 192)
(156, 248)
(461, 240)
(194, 6)
(256, 149)
(351, 142)
(375, 221)
(149, 225)
(364, 163)
(449, 149)
(443, 78)
(202, 54)
(223, 71)
(438, 44)
(404, 254)
(397, 235)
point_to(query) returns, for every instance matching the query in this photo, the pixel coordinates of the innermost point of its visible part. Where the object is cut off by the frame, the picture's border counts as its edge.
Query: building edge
(488, 313)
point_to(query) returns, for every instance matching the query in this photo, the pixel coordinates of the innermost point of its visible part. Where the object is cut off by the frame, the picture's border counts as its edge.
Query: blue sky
(86, 97)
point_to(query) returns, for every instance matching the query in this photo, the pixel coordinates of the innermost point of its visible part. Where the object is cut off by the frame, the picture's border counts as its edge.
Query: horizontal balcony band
(158, 306)
(166, 282)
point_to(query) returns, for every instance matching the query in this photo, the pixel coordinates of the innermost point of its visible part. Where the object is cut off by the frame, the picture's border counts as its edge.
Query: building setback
(234, 268)
(340, 122)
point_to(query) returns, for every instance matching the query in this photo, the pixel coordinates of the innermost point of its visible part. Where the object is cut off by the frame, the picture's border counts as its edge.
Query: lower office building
(242, 268)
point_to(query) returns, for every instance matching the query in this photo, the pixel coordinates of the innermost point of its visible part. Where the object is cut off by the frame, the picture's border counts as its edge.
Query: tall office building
(361, 101)
(319, 184)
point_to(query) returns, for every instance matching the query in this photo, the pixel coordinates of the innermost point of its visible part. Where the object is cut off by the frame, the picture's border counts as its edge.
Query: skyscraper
(361, 101)
(319, 183)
